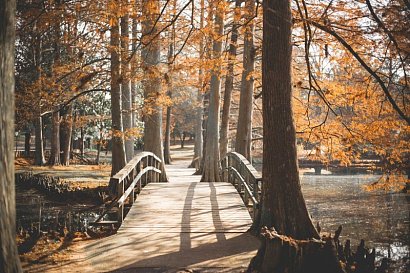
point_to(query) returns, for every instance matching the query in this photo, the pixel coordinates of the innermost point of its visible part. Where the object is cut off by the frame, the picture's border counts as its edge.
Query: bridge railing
(139, 171)
(144, 168)
(238, 171)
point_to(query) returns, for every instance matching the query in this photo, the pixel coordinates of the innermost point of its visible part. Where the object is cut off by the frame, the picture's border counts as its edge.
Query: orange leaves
(131, 133)
(153, 103)
(389, 182)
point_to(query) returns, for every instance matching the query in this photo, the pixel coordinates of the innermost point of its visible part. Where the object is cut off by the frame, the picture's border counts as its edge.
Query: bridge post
(150, 176)
(120, 192)
(240, 185)
(157, 166)
(318, 170)
(145, 163)
(132, 176)
(228, 164)
(225, 169)
(138, 167)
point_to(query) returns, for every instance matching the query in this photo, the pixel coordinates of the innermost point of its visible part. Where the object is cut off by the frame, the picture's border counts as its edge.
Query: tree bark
(198, 145)
(150, 55)
(73, 133)
(279, 254)
(66, 130)
(126, 89)
(134, 67)
(54, 158)
(9, 259)
(118, 149)
(99, 145)
(206, 88)
(82, 145)
(211, 161)
(226, 108)
(27, 141)
(39, 158)
(283, 205)
(167, 140)
(244, 130)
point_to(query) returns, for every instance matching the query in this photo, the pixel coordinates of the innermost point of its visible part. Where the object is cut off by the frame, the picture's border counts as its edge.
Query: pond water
(34, 211)
(380, 218)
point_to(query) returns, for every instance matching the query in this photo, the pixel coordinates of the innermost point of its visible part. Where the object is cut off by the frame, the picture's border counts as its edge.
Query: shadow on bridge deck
(175, 227)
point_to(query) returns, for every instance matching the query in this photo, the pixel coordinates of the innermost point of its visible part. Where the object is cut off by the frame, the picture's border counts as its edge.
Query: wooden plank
(188, 207)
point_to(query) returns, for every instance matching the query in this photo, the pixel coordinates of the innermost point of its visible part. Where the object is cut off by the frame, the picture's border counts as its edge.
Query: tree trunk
(118, 149)
(126, 89)
(167, 140)
(73, 133)
(182, 138)
(82, 145)
(283, 205)
(134, 67)
(198, 146)
(99, 144)
(280, 253)
(54, 158)
(244, 130)
(66, 130)
(150, 55)
(27, 141)
(206, 88)
(9, 259)
(211, 161)
(55, 140)
(39, 158)
(226, 108)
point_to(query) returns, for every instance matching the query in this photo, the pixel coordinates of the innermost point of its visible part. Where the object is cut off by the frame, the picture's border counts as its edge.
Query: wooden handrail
(238, 171)
(137, 179)
(245, 185)
(144, 168)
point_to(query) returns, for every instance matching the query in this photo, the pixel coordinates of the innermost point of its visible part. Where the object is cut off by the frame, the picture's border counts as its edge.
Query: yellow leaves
(155, 102)
(132, 133)
(389, 182)
(113, 22)
(112, 6)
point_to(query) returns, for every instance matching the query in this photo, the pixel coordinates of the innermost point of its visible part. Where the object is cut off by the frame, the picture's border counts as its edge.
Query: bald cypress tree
(9, 259)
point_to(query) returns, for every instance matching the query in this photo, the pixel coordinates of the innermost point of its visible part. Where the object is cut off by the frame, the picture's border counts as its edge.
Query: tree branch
(74, 98)
(365, 66)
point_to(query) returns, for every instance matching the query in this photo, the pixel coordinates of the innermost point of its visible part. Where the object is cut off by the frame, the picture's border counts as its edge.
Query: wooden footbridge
(183, 225)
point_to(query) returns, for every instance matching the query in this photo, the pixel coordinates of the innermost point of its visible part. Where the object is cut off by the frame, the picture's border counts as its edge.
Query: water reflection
(381, 218)
(36, 212)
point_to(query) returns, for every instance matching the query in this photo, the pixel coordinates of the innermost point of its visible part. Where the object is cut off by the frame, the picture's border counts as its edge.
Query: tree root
(279, 254)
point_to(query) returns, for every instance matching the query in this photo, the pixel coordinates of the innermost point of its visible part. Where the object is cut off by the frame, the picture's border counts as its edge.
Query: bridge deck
(181, 225)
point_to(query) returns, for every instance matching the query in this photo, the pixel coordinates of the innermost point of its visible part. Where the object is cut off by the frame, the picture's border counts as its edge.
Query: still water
(380, 218)
(35, 211)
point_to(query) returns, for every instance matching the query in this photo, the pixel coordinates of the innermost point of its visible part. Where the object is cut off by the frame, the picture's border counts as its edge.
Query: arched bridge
(183, 224)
